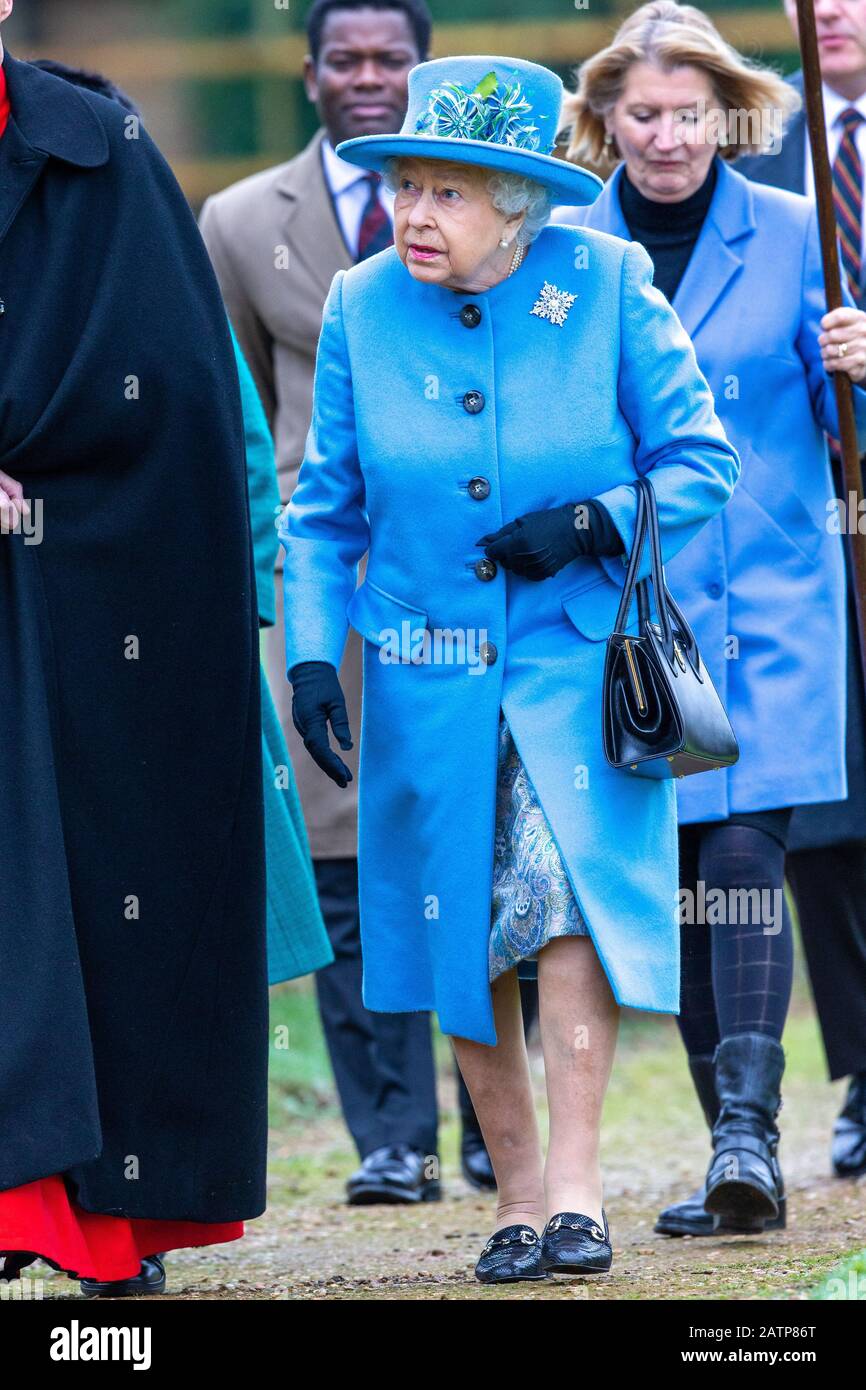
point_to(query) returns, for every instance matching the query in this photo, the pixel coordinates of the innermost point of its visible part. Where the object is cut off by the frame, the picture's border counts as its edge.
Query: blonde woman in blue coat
(763, 585)
(476, 384)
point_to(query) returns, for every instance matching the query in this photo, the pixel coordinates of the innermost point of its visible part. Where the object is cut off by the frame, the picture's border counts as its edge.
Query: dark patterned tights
(735, 933)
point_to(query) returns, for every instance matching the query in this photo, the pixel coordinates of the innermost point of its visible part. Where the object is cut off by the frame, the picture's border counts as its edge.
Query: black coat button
(486, 569)
(473, 401)
(470, 315)
(488, 653)
(479, 488)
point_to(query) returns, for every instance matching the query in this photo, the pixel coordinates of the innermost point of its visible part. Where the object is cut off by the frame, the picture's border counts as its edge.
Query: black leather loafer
(475, 1163)
(150, 1279)
(511, 1254)
(575, 1244)
(393, 1174)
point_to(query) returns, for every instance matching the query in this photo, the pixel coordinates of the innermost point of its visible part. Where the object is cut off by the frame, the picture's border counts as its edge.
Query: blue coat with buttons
(431, 426)
(763, 585)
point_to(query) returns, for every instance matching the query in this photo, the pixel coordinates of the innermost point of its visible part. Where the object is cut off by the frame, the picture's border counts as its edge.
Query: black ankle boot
(744, 1180)
(691, 1218)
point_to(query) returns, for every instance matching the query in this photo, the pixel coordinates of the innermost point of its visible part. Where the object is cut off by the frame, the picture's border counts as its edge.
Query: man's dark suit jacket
(786, 168)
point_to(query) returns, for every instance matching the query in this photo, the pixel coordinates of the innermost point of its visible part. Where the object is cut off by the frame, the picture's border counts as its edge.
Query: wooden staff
(852, 481)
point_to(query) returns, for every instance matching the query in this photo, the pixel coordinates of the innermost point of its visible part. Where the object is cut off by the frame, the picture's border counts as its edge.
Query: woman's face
(661, 128)
(446, 229)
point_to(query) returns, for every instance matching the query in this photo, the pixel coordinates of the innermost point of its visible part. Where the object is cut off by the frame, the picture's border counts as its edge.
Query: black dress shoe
(849, 1131)
(393, 1174)
(150, 1279)
(13, 1261)
(575, 1244)
(512, 1254)
(475, 1162)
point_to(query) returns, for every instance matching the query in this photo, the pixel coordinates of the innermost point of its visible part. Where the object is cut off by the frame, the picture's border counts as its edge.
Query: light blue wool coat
(763, 585)
(570, 412)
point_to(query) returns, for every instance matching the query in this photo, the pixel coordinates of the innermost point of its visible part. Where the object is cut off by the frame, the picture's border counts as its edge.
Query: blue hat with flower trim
(499, 113)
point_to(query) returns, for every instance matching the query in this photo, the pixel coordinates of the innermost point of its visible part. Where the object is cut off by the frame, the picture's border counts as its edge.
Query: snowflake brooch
(553, 304)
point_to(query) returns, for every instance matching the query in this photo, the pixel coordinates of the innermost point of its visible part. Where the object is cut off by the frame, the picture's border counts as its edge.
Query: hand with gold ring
(843, 342)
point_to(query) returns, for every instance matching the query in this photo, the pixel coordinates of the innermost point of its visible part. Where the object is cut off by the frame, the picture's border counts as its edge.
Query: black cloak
(133, 983)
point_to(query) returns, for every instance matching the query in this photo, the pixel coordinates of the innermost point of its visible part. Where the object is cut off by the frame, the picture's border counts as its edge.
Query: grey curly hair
(510, 194)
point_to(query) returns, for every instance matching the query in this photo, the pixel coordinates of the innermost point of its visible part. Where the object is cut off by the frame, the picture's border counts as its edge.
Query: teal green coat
(297, 940)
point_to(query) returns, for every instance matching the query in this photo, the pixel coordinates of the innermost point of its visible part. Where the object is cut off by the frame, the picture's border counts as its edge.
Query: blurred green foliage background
(219, 80)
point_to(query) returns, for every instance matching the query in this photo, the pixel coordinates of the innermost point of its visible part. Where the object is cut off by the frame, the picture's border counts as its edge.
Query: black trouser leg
(829, 888)
(383, 1063)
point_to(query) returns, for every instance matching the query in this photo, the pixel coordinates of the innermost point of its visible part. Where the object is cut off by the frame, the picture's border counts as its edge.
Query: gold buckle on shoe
(525, 1238)
(555, 1222)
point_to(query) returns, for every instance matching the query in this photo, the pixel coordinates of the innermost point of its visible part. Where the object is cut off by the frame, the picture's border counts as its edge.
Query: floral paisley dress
(532, 898)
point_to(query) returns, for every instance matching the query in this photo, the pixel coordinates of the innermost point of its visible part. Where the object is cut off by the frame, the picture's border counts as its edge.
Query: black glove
(536, 546)
(317, 698)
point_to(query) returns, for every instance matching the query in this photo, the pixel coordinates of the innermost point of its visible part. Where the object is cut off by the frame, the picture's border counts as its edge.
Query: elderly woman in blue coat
(763, 585)
(486, 392)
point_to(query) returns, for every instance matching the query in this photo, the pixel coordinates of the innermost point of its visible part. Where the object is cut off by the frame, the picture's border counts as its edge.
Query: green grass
(844, 1281)
(300, 1073)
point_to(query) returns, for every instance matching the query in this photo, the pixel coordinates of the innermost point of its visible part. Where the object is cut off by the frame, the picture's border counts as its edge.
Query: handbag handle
(633, 563)
(647, 520)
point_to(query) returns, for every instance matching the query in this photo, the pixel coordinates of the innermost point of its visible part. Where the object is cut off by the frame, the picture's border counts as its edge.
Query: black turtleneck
(668, 231)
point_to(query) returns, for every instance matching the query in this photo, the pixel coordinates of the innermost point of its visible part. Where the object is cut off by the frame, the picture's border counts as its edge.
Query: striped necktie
(376, 232)
(848, 200)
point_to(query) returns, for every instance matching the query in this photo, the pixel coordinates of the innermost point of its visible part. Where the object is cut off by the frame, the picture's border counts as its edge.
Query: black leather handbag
(662, 716)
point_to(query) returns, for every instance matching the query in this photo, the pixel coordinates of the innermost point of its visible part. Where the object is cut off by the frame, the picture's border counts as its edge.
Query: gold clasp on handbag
(678, 651)
(635, 678)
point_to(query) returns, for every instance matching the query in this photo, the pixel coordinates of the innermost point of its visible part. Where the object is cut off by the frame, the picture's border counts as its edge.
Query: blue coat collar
(53, 116)
(716, 257)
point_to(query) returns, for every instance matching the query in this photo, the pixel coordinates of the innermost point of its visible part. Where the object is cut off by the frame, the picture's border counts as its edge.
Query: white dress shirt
(350, 192)
(834, 105)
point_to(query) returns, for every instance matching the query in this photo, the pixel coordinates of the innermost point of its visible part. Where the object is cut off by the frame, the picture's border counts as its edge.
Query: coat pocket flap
(383, 619)
(593, 608)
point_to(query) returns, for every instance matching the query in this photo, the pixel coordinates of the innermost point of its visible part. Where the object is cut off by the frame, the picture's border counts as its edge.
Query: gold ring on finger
(843, 348)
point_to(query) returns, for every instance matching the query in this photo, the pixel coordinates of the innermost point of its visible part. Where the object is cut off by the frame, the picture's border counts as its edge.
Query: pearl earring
(503, 242)
(608, 138)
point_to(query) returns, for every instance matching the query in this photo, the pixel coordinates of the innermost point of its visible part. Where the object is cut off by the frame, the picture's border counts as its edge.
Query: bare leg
(579, 1019)
(498, 1081)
